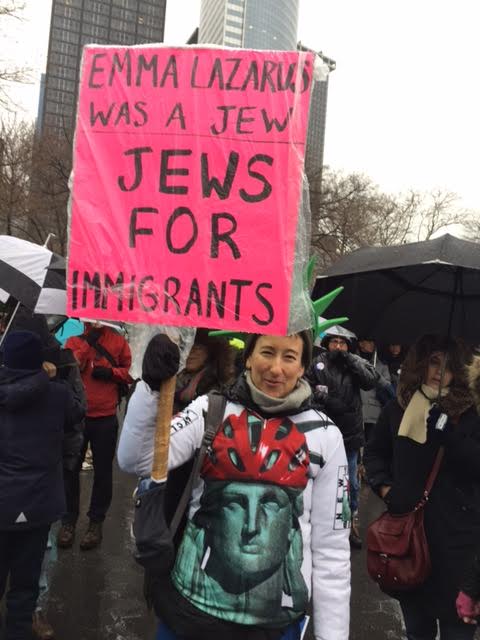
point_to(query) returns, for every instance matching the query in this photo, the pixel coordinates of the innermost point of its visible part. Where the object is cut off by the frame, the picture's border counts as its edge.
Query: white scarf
(292, 402)
(414, 421)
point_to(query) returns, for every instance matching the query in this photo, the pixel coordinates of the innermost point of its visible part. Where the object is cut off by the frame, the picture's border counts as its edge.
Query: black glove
(102, 373)
(439, 425)
(92, 336)
(161, 361)
(337, 355)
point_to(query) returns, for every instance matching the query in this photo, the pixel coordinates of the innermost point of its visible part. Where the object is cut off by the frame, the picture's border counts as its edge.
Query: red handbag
(398, 558)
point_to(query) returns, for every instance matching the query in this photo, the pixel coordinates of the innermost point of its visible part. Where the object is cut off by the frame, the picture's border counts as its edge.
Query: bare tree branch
(9, 76)
(350, 211)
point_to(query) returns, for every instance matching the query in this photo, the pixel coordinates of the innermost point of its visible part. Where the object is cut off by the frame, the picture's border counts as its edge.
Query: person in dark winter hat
(61, 366)
(34, 414)
(22, 350)
(393, 355)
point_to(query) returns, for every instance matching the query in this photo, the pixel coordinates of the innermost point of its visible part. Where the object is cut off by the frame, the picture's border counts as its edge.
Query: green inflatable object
(319, 324)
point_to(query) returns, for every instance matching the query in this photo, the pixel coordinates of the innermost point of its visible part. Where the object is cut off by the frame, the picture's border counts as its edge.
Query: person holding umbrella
(434, 409)
(260, 528)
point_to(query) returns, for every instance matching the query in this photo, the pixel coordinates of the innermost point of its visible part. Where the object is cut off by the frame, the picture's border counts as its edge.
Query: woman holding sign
(268, 519)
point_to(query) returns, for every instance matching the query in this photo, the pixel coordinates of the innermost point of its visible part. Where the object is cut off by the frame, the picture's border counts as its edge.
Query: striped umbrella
(33, 275)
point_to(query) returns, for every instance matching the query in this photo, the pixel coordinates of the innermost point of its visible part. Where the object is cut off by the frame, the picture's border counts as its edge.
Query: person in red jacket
(104, 358)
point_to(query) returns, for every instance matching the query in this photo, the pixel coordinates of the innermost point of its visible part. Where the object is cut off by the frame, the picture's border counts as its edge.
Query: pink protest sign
(187, 181)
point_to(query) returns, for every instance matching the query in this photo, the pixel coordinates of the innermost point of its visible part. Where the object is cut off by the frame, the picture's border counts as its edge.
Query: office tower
(269, 24)
(75, 23)
(317, 118)
(250, 24)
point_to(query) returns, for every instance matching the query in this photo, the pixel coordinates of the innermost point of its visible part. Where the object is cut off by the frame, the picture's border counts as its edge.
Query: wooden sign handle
(162, 429)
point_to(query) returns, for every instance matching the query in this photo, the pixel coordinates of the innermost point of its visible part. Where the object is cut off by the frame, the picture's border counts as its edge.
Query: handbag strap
(213, 422)
(432, 476)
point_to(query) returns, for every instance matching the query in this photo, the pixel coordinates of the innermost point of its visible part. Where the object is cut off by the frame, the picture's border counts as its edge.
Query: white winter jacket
(324, 522)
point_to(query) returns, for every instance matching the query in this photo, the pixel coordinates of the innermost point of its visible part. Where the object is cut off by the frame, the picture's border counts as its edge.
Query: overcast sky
(404, 101)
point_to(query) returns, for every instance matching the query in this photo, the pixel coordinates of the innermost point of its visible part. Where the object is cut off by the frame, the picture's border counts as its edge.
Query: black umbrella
(396, 294)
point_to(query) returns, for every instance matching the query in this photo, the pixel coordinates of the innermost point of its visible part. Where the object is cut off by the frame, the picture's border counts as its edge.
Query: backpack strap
(213, 421)
(100, 349)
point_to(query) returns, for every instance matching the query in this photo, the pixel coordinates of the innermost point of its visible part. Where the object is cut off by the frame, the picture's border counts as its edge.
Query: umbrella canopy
(396, 294)
(33, 275)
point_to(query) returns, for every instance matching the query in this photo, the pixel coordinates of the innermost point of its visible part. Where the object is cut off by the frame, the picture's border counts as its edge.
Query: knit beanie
(160, 361)
(22, 350)
(305, 335)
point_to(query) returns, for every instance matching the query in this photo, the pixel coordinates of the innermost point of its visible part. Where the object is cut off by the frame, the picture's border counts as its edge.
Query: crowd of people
(272, 518)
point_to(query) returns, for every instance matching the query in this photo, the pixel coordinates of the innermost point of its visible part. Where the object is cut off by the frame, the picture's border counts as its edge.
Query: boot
(93, 536)
(66, 536)
(41, 628)
(355, 539)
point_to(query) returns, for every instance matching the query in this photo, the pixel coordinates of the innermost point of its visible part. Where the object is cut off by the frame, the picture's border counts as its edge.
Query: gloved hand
(161, 361)
(338, 356)
(102, 373)
(467, 608)
(92, 336)
(439, 426)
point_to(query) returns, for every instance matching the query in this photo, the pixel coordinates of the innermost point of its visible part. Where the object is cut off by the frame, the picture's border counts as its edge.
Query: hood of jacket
(19, 388)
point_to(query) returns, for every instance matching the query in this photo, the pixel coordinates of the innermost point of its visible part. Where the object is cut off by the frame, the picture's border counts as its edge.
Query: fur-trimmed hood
(473, 376)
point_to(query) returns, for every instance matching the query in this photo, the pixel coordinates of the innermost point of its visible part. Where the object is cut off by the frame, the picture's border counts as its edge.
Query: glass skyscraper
(250, 24)
(268, 24)
(75, 23)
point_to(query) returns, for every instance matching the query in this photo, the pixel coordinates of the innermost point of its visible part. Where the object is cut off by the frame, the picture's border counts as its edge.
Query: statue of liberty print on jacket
(243, 549)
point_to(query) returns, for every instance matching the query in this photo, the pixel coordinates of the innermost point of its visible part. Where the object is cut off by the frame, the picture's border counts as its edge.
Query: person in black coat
(336, 377)
(34, 415)
(398, 459)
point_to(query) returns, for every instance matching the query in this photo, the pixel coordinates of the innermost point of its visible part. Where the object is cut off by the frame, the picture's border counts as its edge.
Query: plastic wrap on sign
(139, 335)
(188, 200)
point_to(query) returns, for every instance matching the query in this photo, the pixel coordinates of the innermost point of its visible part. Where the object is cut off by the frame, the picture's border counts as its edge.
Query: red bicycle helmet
(250, 449)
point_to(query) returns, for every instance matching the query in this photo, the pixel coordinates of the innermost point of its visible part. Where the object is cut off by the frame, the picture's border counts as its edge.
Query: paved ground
(97, 595)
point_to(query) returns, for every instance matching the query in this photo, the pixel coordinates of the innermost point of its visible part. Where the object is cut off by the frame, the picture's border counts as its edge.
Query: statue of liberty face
(252, 531)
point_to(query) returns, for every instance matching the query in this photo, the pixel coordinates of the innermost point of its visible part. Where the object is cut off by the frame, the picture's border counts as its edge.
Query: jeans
(101, 433)
(420, 626)
(352, 457)
(21, 554)
(293, 632)
(49, 559)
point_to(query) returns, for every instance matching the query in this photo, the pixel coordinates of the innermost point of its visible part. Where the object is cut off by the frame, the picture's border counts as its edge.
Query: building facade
(250, 24)
(317, 118)
(269, 24)
(75, 23)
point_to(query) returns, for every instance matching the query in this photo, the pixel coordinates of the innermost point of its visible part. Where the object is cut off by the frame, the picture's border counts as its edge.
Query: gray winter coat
(371, 406)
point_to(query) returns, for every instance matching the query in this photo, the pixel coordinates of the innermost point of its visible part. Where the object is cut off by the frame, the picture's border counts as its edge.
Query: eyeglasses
(338, 341)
